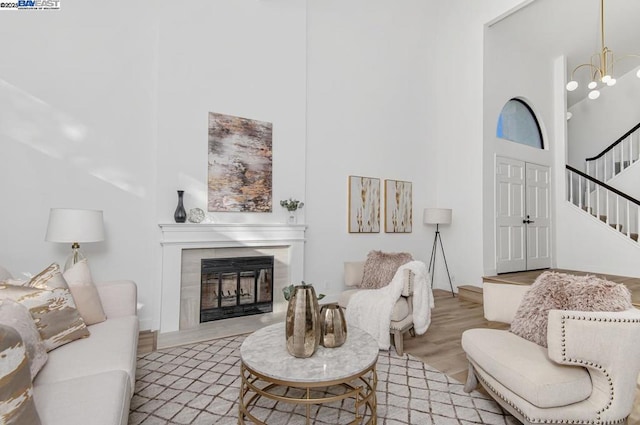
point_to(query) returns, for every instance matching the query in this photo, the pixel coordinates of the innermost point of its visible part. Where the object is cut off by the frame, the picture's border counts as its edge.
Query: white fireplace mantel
(227, 235)
(176, 237)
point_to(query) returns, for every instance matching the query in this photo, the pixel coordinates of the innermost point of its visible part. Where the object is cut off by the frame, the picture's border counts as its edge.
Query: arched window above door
(517, 123)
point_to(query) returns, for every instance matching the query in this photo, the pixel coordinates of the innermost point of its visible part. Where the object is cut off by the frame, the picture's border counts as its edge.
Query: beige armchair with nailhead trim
(587, 375)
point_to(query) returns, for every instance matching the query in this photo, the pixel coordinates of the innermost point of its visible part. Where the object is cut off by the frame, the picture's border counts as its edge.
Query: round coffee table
(330, 375)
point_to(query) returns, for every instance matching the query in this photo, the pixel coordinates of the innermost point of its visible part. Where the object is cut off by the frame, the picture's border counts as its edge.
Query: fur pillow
(380, 268)
(561, 291)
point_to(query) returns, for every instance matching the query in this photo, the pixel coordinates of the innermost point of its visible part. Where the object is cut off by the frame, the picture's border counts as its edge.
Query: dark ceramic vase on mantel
(180, 215)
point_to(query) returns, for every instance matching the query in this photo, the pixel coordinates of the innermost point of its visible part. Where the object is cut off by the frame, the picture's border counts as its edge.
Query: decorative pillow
(6, 277)
(380, 268)
(53, 312)
(49, 278)
(561, 291)
(16, 391)
(85, 294)
(17, 316)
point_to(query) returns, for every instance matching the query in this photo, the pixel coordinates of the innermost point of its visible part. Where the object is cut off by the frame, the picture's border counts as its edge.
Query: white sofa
(91, 380)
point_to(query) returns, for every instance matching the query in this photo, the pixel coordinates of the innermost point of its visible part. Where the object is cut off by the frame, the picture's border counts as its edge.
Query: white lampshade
(436, 216)
(71, 225)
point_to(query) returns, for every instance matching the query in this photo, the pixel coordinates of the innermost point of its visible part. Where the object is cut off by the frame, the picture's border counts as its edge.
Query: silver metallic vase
(332, 326)
(302, 325)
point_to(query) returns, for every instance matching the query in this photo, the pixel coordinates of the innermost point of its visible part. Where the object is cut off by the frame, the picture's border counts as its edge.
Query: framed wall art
(240, 164)
(398, 206)
(364, 204)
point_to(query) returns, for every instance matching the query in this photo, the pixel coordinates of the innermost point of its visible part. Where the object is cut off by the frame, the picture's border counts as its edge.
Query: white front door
(522, 216)
(538, 218)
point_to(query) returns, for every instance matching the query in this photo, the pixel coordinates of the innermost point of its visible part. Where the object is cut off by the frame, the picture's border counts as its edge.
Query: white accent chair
(402, 313)
(587, 375)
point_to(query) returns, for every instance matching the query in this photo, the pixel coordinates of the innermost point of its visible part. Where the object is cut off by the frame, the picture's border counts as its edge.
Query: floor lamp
(438, 216)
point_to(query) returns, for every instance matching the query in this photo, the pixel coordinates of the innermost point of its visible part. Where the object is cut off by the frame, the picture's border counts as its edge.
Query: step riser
(470, 293)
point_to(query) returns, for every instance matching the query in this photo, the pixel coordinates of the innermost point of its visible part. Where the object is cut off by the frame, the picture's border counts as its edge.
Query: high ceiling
(550, 28)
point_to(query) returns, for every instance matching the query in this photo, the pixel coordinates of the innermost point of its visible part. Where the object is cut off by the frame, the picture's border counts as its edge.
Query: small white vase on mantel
(292, 218)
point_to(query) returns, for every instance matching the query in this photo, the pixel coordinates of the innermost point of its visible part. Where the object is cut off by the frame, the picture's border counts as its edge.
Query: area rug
(199, 384)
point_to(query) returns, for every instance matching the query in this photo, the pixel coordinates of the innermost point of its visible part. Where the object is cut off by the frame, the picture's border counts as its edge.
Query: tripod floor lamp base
(438, 216)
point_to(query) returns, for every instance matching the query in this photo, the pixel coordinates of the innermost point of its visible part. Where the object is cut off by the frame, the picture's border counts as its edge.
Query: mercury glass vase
(333, 327)
(302, 324)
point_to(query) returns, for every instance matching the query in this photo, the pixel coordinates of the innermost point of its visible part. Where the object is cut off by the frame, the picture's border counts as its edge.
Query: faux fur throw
(561, 291)
(370, 310)
(380, 268)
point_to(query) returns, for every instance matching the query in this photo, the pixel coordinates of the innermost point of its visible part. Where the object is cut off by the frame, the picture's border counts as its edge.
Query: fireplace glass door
(232, 287)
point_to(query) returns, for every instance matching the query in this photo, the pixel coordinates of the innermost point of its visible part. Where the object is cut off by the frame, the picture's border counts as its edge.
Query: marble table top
(266, 353)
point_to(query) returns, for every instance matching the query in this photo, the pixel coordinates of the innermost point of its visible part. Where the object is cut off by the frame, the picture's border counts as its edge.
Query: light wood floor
(440, 345)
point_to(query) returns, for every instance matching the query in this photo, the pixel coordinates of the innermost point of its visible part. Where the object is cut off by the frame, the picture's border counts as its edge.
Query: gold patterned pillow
(16, 391)
(53, 312)
(48, 278)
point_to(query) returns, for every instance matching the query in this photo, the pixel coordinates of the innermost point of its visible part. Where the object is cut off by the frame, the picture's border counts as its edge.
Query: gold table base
(360, 386)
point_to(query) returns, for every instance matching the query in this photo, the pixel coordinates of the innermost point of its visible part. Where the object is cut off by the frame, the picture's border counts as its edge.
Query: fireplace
(233, 287)
(184, 245)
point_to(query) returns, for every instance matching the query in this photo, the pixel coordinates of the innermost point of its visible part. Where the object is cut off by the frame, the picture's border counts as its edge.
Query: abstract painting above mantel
(364, 205)
(398, 206)
(239, 164)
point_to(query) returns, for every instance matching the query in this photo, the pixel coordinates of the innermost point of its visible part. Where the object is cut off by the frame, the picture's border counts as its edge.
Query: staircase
(611, 206)
(593, 191)
(617, 157)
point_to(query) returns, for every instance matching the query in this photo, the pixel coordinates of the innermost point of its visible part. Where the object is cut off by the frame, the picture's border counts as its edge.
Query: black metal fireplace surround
(233, 287)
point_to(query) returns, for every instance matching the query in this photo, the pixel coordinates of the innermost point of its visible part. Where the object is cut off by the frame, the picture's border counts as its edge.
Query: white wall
(596, 124)
(628, 181)
(583, 243)
(77, 129)
(244, 58)
(370, 113)
(513, 72)
(109, 111)
(458, 130)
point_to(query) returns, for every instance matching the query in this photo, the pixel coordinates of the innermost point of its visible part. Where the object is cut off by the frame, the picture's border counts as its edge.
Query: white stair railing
(616, 158)
(617, 209)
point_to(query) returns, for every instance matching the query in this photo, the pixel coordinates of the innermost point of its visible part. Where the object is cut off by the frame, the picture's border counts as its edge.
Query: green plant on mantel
(287, 291)
(291, 204)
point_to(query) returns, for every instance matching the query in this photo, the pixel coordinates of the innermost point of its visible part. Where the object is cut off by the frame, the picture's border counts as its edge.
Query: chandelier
(600, 65)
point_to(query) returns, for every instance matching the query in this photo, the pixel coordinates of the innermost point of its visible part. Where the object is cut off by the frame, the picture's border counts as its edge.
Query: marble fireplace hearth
(184, 245)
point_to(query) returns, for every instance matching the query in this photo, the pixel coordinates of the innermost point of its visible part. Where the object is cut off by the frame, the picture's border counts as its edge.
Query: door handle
(527, 221)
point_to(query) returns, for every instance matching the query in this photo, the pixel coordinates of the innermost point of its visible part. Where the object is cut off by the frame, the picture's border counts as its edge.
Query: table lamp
(438, 216)
(74, 226)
